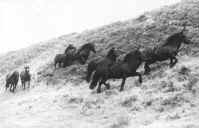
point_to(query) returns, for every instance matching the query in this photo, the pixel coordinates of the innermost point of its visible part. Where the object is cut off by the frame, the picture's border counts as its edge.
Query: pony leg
(55, 65)
(28, 84)
(14, 87)
(173, 63)
(147, 68)
(23, 85)
(88, 76)
(106, 84)
(7, 87)
(99, 87)
(60, 64)
(139, 75)
(122, 84)
(64, 64)
(10, 87)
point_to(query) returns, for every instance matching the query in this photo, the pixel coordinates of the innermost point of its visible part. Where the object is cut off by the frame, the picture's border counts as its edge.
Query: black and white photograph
(99, 64)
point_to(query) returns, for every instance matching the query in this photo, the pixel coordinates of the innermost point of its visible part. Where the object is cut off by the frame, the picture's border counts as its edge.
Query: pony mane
(132, 54)
(171, 39)
(87, 45)
(110, 53)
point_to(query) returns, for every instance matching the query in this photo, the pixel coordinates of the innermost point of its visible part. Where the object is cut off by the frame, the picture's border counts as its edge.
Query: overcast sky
(24, 22)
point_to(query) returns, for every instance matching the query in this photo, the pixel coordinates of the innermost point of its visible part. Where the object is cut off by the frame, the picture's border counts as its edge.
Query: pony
(168, 50)
(70, 49)
(25, 77)
(69, 53)
(12, 80)
(119, 70)
(110, 58)
(81, 55)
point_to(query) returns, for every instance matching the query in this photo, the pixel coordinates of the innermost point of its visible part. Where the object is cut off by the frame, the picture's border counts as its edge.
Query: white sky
(24, 22)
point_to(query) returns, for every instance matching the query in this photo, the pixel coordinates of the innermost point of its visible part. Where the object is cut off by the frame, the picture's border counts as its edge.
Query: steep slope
(60, 98)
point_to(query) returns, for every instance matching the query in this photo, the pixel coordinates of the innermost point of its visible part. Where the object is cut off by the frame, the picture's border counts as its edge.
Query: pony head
(89, 46)
(182, 35)
(27, 68)
(92, 47)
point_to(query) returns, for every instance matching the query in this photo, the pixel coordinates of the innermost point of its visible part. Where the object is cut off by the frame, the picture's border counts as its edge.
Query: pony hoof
(121, 90)
(98, 91)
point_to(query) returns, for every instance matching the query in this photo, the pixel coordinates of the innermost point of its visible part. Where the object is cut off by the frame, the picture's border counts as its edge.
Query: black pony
(12, 80)
(81, 56)
(109, 59)
(168, 50)
(120, 70)
(25, 77)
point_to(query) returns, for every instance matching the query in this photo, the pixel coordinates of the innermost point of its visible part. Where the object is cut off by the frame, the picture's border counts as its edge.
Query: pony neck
(174, 41)
(111, 57)
(85, 47)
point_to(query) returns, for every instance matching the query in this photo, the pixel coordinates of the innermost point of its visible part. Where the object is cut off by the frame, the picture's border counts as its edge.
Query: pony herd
(109, 68)
(101, 70)
(12, 79)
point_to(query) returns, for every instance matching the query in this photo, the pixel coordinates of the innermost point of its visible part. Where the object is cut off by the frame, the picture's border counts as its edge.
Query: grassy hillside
(60, 98)
(147, 30)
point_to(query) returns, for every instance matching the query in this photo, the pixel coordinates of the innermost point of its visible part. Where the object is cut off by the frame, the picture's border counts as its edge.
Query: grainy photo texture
(99, 64)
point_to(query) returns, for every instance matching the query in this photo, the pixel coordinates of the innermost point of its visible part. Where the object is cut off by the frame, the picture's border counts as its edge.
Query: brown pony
(12, 80)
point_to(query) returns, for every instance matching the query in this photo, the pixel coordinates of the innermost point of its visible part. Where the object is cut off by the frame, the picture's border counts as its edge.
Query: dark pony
(81, 56)
(12, 80)
(25, 77)
(109, 59)
(120, 70)
(168, 50)
(68, 55)
(59, 59)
